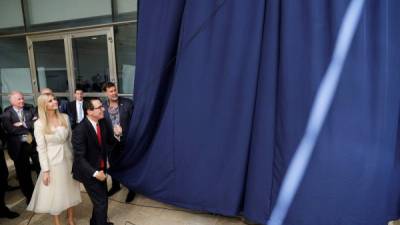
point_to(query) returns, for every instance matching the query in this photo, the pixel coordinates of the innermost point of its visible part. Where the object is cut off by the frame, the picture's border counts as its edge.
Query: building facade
(64, 45)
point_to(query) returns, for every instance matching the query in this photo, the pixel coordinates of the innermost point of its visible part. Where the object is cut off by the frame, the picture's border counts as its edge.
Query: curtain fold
(223, 91)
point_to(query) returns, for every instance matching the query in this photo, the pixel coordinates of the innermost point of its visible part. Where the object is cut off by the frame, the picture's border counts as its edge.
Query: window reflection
(91, 62)
(14, 66)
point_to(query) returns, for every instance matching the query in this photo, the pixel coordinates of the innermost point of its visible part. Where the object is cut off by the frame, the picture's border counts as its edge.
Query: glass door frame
(69, 59)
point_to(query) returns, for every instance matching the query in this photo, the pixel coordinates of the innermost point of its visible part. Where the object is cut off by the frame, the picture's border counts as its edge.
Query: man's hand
(117, 130)
(18, 124)
(101, 176)
(46, 178)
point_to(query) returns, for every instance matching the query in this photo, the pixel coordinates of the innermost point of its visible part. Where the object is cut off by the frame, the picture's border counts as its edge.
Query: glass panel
(91, 62)
(14, 65)
(50, 65)
(125, 47)
(5, 103)
(52, 14)
(11, 14)
(127, 9)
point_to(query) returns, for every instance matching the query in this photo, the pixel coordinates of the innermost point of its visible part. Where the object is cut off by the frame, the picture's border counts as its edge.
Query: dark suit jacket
(72, 113)
(87, 150)
(10, 117)
(125, 113)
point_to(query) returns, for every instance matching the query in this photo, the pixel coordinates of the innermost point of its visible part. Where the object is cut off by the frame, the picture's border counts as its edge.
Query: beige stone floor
(142, 211)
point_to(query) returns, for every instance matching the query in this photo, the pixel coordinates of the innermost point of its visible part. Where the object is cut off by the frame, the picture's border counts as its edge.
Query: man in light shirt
(75, 108)
(18, 123)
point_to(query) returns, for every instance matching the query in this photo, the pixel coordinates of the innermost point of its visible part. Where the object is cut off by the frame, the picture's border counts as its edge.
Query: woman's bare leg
(70, 213)
(57, 220)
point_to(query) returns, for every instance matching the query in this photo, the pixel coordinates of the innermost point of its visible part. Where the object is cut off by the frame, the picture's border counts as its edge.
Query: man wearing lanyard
(18, 123)
(118, 113)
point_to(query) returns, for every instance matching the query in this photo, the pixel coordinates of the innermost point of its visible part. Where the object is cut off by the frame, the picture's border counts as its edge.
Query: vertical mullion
(70, 64)
(114, 10)
(111, 56)
(32, 65)
(25, 15)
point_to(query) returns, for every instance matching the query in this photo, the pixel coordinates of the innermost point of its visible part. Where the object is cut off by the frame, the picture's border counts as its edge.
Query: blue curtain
(222, 94)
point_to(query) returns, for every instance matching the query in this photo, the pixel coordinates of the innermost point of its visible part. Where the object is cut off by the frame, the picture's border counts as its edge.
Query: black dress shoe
(6, 213)
(113, 190)
(131, 195)
(12, 188)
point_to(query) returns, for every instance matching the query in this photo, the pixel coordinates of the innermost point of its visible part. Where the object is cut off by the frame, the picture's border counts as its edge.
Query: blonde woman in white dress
(55, 190)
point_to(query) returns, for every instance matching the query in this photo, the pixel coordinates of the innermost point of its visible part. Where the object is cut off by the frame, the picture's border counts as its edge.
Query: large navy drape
(222, 94)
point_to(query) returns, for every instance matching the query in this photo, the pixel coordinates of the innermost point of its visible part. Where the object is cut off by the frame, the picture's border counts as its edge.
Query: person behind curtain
(93, 140)
(75, 108)
(118, 113)
(55, 190)
(18, 124)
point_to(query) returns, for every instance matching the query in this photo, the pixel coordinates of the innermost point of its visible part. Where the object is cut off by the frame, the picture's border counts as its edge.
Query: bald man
(18, 123)
(63, 104)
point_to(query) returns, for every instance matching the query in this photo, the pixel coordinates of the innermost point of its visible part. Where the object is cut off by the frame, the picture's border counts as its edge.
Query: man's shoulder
(7, 111)
(8, 108)
(28, 106)
(82, 126)
(71, 105)
(125, 101)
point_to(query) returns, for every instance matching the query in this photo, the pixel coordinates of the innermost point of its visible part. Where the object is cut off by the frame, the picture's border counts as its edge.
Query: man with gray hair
(18, 124)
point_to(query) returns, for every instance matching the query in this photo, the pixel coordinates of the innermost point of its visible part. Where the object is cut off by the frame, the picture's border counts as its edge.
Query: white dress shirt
(79, 111)
(94, 124)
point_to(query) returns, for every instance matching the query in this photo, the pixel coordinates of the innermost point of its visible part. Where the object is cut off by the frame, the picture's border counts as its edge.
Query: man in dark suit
(32, 153)
(18, 123)
(4, 211)
(75, 108)
(92, 141)
(118, 113)
(3, 138)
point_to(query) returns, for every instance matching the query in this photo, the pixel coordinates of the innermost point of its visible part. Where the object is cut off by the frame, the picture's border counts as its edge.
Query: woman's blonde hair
(43, 117)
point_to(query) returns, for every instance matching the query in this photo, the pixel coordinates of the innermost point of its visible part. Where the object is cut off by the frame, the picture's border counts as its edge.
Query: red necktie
(98, 132)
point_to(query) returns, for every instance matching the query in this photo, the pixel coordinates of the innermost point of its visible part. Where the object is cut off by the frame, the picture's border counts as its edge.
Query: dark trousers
(115, 155)
(34, 156)
(97, 192)
(3, 180)
(22, 168)
(115, 183)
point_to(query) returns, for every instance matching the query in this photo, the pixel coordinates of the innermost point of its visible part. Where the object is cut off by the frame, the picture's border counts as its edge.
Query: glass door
(49, 64)
(93, 60)
(65, 61)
